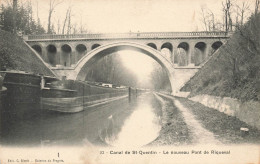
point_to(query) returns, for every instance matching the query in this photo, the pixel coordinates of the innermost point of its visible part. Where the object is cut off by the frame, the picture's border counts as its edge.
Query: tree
(37, 12)
(65, 20)
(227, 15)
(25, 23)
(52, 5)
(7, 18)
(257, 3)
(69, 22)
(209, 20)
(204, 18)
(75, 28)
(212, 22)
(241, 11)
(58, 27)
(14, 15)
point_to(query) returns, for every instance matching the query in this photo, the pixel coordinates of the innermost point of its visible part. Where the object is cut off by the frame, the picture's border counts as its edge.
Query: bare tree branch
(257, 3)
(65, 20)
(204, 19)
(52, 5)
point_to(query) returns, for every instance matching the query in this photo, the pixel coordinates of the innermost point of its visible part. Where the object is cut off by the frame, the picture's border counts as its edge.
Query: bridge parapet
(146, 35)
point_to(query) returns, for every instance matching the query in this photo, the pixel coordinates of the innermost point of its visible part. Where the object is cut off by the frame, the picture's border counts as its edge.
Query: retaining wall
(249, 112)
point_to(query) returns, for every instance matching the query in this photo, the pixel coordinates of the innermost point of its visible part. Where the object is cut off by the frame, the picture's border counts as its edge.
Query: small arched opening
(94, 46)
(199, 53)
(38, 49)
(66, 55)
(52, 54)
(167, 49)
(81, 51)
(182, 54)
(152, 45)
(215, 46)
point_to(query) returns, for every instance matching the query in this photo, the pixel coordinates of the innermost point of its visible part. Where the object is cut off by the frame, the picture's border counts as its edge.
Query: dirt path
(199, 133)
(225, 128)
(198, 124)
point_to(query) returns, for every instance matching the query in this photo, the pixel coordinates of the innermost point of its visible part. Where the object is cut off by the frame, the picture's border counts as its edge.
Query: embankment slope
(234, 70)
(15, 55)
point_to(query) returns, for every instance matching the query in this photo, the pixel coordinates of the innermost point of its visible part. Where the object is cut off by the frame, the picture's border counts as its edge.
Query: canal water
(140, 128)
(118, 123)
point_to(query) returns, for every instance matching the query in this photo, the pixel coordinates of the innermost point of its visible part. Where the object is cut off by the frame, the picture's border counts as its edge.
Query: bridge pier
(206, 52)
(44, 55)
(58, 56)
(73, 56)
(175, 55)
(172, 57)
(190, 53)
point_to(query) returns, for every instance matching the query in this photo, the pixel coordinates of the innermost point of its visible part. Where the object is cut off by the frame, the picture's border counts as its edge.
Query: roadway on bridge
(151, 119)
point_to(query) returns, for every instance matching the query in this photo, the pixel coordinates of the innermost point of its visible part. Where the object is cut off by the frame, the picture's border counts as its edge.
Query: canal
(118, 123)
(150, 119)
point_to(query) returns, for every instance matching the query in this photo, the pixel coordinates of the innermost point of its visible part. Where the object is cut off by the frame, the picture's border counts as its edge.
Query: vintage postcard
(129, 81)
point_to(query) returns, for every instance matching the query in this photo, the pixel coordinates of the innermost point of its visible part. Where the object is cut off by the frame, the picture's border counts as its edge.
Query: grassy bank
(174, 130)
(15, 55)
(234, 70)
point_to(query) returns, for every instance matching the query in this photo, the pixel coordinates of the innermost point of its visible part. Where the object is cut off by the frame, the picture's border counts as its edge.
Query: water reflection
(116, 123)
(141, 128)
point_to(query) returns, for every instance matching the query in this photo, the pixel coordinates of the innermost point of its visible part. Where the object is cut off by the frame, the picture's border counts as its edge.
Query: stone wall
(249, 112)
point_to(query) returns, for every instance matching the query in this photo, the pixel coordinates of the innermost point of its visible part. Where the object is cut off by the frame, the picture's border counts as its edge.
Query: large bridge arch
(81, 68)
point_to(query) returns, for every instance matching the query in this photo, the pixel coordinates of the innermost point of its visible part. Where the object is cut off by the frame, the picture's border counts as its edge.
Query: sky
(112, 16)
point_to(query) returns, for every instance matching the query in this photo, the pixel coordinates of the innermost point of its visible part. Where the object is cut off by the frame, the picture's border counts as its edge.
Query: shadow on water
(116, 123)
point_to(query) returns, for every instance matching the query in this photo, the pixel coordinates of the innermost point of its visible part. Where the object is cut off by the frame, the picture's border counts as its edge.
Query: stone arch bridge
(180, 53)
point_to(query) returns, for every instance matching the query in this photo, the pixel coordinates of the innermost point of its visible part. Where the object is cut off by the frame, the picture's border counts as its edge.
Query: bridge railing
(129, 35)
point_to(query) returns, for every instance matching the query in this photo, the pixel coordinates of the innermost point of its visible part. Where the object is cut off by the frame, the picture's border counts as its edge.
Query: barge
(23, 94)
(71, 96)
(28, 94)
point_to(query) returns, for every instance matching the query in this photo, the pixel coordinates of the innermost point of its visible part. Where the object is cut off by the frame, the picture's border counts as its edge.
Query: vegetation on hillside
(234, 71)
(15, 55)
(21, 21)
